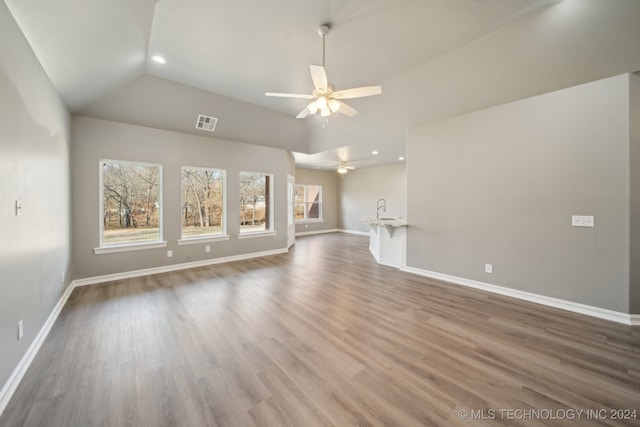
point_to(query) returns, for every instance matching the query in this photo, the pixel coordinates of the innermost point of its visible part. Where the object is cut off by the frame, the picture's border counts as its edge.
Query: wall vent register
(207, 123)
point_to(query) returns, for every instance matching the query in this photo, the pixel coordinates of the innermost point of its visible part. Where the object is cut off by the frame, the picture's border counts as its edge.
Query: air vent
(206, 123)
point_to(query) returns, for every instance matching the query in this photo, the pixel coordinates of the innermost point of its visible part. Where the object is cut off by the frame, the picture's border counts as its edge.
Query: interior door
(291, 226)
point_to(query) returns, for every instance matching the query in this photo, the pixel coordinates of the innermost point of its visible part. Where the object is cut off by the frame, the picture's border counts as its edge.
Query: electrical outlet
(207, 249)
(169, 253)
(582, 221)
(18, 207)
(20, 330)
(488, 268)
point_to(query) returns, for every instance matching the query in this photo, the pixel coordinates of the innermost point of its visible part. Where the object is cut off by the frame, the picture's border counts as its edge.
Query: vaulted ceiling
(433, 58)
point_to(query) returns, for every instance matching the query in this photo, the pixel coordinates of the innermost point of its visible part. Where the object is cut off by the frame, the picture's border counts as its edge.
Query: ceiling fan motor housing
(323, 30)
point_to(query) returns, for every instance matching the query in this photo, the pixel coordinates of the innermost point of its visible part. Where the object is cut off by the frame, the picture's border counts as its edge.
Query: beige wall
(95, 139)
(34, 168)
(499, 186)
(360, 190)
(329, 182)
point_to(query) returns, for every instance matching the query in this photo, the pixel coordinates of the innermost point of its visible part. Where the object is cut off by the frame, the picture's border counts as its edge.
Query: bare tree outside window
(255, 202)
(308, 202)
(202, 202)
(130, 202)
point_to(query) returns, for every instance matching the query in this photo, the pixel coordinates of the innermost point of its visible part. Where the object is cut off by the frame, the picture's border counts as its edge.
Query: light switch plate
(582, 221)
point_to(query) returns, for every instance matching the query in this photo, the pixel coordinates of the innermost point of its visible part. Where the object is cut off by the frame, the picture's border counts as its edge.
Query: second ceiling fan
(325, 99)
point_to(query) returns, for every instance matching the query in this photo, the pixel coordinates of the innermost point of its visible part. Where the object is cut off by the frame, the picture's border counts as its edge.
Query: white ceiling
(433, 58)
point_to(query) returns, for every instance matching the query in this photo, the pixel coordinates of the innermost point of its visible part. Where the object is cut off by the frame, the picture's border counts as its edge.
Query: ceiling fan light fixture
(325, 112)
(322, 102)
(313, 107)
(158, 59)
(342, 170)
(334, 105)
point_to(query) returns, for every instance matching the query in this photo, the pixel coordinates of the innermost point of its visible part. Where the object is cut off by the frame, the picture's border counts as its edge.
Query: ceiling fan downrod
(323, 31)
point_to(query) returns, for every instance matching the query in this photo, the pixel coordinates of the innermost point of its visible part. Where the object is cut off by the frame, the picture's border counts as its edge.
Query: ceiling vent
(206, 123)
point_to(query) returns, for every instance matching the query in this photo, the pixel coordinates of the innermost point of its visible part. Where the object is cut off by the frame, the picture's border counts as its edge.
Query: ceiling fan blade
(351, 168)
(309, 109)
(347, 110)
(289, 95)
(319, 77)
(358, 92)
(304, 113)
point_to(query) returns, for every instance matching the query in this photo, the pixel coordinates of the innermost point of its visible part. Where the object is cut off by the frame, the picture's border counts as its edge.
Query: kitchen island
(388, 240)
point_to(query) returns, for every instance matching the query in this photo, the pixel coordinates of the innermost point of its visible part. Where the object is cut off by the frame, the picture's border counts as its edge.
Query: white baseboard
(361, 233)
(602, 313)
(174, 267)
(309, 233)
(18, 373)
(14, 380)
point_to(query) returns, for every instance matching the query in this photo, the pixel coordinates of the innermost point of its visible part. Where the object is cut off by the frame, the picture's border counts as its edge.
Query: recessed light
(374, 152)
(401, 158)
(158, 59)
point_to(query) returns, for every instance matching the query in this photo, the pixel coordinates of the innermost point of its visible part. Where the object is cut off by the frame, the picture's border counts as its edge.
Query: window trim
(271, 231)
(129, 246)
(206, 238)
(306, 220)
(254, 234)
(203, 239)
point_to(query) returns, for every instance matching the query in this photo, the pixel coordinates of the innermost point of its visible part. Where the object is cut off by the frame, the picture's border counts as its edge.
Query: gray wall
(291, 165)
(360, 189)
(34, 167)
(634, 164)
(499, 186)
(95, 139)
(329, 182)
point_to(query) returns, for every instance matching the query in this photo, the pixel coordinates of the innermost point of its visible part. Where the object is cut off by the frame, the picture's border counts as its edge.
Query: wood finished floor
(319, 336)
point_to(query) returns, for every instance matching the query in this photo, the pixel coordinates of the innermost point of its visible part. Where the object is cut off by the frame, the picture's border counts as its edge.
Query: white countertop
(384, 221)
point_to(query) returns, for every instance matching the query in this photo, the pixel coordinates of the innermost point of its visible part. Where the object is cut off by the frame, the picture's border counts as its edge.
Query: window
(256, 210)
(203, 210)
(131, 203)
(308, 204)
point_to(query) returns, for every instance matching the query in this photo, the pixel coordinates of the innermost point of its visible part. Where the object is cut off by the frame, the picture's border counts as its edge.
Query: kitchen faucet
(378, 206)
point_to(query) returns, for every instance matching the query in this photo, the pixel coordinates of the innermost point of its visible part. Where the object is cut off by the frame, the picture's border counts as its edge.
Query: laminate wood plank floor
(322, 336)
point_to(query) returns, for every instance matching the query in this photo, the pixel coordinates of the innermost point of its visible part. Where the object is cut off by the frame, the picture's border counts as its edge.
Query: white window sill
(308, 221)
(129, 247)
(256, 234)
(206, 239)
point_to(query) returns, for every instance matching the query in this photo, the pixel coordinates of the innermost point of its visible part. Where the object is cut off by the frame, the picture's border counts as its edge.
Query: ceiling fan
(325, 99)
(344, 167)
